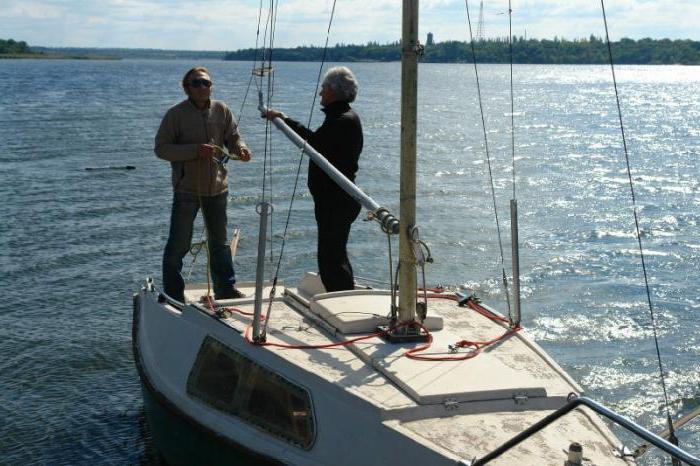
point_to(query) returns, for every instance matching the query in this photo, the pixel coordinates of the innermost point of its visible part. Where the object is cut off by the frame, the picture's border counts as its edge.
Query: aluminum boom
(388, 221)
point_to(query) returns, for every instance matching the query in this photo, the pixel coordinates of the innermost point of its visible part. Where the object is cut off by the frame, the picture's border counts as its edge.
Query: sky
(232, 25)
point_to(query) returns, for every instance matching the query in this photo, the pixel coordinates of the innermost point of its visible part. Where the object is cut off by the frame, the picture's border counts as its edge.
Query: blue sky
(230, 25)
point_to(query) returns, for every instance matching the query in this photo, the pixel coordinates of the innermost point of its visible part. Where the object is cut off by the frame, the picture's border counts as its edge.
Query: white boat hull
(370, 404)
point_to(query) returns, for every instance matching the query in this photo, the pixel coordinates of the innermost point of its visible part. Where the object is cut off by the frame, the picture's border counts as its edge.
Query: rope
(636, 224)
(504, 280)
(477, 346)
(195, 249)
(205, 230)
(392, 287)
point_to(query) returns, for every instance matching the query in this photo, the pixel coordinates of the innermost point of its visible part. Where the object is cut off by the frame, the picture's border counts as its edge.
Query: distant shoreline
(589, 51)
(45, 56)
(125, 53)
(12, 49)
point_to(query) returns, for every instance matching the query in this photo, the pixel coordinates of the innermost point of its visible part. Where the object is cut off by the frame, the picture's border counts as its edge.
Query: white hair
(342, 82)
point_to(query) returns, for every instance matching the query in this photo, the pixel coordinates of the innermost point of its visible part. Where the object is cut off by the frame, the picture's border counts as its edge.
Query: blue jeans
(185, 208)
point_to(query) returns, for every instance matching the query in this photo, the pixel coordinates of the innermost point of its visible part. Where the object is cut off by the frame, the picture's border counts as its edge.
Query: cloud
(33, 10)
(229, 25)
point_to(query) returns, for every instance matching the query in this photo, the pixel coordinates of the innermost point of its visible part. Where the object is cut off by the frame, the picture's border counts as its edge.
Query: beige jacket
(183, 128)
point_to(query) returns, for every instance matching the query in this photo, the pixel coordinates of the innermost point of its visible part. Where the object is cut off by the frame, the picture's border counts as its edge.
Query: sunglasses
(199, 83)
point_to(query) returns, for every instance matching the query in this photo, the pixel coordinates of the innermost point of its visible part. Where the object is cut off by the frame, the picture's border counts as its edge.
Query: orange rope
(476, 345)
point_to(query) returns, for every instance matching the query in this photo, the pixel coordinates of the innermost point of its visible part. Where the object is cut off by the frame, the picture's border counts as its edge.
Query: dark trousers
(184, 211)
(334, 218)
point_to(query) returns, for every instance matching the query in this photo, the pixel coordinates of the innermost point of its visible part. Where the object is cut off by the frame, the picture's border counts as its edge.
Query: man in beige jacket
(191, 137)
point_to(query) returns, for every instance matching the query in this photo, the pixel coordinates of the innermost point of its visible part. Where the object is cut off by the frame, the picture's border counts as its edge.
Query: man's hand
(244, 153)
(272, 114)
(206, 151)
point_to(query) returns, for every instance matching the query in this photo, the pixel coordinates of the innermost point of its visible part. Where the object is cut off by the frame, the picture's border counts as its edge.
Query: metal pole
(234, 242)
(264, 210)
(383, 216)
(515, 251)
(407, 213)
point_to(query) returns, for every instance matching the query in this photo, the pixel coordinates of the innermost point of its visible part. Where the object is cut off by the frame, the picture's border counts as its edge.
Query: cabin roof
(380, 372)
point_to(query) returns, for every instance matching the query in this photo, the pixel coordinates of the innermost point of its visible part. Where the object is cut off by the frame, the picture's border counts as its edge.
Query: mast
(409, 92)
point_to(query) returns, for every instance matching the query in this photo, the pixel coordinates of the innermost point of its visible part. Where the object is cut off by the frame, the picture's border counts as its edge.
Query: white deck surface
(467, 407)
(485, 432)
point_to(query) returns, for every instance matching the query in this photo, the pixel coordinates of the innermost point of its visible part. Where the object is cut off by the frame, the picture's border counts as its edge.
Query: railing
(574, 402)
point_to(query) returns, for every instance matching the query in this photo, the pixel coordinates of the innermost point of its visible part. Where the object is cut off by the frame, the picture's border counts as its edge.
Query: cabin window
(215, 374)
(277, 405)
(229, 381)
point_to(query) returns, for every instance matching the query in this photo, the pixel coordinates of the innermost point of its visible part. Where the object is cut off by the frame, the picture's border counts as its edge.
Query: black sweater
(338, 139)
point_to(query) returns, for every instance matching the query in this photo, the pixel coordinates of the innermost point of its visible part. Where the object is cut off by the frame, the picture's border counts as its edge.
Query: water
(76, 244)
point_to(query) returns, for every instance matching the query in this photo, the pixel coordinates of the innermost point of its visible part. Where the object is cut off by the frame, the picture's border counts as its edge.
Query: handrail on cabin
(574, 402)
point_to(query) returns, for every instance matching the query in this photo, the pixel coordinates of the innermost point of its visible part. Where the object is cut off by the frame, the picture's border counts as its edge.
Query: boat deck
(489, 398)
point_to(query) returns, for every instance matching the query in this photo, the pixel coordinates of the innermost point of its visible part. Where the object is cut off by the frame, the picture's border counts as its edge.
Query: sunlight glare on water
(76, 244)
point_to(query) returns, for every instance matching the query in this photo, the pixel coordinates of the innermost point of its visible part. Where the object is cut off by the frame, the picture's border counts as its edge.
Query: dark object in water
(124, 167)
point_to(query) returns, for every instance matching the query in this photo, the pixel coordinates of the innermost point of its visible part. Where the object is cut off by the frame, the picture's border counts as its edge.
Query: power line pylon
(480, 24)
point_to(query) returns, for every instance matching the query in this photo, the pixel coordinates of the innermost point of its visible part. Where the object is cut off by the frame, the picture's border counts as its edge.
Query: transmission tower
(480, 24)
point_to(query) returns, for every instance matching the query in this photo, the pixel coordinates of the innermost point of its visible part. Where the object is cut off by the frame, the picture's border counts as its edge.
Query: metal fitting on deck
(575, 455)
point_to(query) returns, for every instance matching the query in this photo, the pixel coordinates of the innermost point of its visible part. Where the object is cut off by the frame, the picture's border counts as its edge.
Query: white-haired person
(339, 139)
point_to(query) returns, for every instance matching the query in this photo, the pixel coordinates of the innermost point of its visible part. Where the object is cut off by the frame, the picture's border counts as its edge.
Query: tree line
(13, 47)
(592, 50)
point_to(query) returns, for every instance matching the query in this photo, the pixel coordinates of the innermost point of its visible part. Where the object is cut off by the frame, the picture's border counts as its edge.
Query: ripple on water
(74, 244)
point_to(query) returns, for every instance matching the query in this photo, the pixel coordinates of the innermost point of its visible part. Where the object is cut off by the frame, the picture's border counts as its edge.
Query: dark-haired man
(188, 138)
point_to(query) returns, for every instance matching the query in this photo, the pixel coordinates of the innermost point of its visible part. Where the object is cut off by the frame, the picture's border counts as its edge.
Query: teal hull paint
(182, 443)
(179, 439)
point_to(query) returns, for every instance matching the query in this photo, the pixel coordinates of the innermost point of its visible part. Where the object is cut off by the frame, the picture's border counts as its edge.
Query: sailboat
(344, 378)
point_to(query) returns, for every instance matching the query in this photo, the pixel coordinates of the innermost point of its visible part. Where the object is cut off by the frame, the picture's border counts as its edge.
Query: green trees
(591, 50)
(11, 46)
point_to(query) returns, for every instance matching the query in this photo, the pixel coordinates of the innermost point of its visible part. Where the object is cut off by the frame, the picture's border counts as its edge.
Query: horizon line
(563, 39)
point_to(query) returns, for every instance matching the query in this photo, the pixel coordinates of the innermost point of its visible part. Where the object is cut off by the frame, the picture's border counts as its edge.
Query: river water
(76, 243)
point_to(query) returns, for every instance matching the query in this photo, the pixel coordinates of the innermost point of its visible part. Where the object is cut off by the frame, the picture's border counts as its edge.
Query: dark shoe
(233, 294)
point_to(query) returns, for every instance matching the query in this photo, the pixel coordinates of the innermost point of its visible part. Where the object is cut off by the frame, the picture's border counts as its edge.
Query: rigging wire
(512, 102)
(488, 159)
(269, 25)
(301, 158)
(255, 60)
(195, 248)
(301, 154)
(636, 225)
(270, 91)
(391, 279)
(268, 32)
